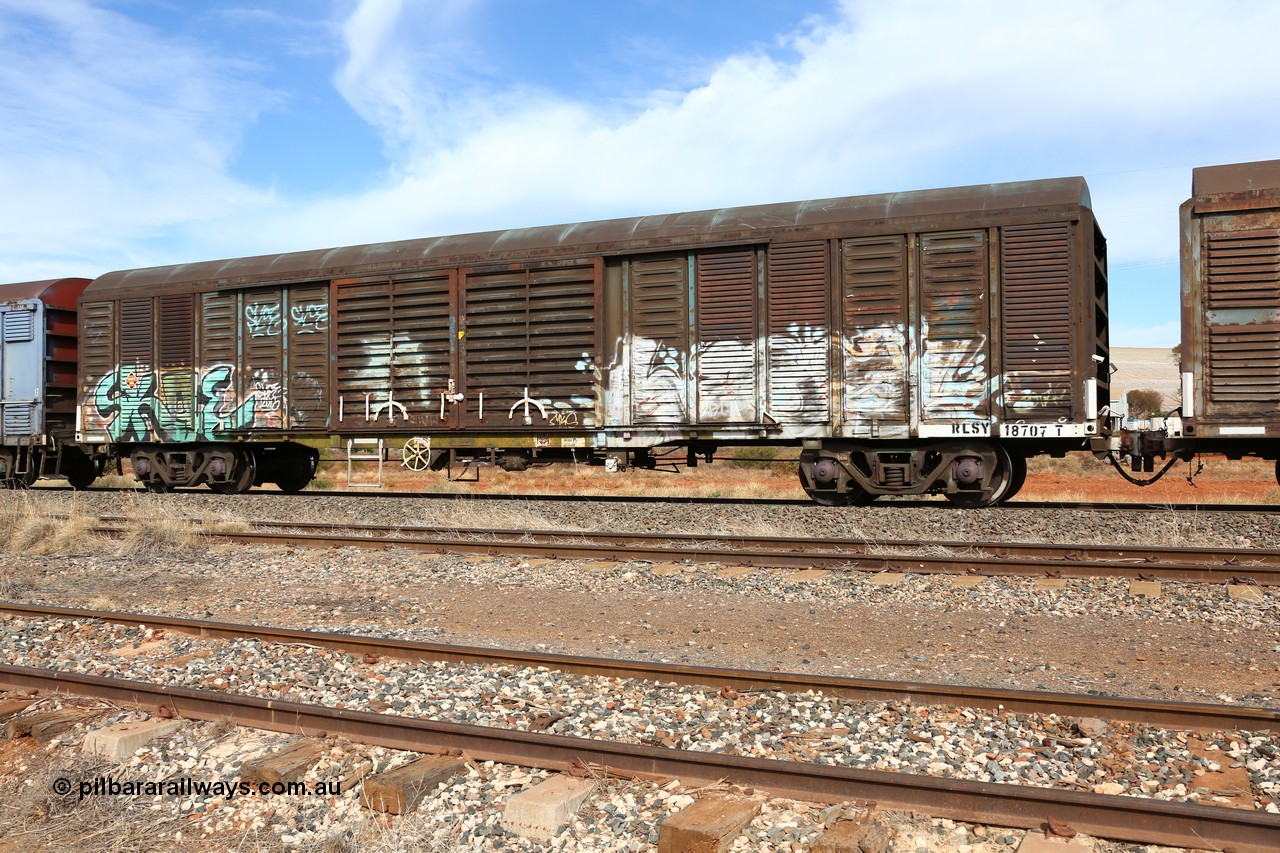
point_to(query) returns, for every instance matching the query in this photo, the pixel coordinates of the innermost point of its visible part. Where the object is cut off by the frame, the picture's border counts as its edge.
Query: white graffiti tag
(309, 319)
(264, 320)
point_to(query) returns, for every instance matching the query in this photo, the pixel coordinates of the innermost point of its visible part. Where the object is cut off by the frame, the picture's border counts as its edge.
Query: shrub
(1145, 403)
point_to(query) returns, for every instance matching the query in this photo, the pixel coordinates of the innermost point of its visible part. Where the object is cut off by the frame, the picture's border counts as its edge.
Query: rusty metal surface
(875, 396)
(526, 339)
(1039, 306)
(798, 329)
(746, 224)
(1125, 818)
(1236, 178)
(727, 315)
(60, 293)
(658, 289)
(1231, 300)
(1150, 711)
(1239, 560)
(587, 336)
(954, 329)
(1011, 561)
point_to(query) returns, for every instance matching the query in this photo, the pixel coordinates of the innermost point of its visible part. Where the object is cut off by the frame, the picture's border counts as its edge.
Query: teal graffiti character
(217, 414)
(124, 397)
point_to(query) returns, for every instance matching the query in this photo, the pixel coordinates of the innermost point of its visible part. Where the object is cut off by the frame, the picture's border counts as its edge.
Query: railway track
(1118, 817)
(1202, 565)
(909, 503)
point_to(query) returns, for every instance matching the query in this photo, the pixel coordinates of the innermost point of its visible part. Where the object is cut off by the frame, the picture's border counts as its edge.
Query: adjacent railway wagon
(38, 383)
(1230, 359)
(910, 343)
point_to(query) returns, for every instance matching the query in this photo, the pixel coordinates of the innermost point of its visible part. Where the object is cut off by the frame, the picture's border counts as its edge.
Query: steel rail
(909, 503)
(1182, 715)
(1123, 818)
(579, 546)
(1236, 558)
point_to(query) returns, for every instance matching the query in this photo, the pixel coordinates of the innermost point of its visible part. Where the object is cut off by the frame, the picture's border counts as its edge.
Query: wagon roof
(1235, 178)
(644, 233)
(55, 292)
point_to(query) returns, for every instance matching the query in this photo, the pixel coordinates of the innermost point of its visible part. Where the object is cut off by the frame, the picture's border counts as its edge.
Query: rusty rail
(1122, 818)
(1135, 554)
(1195, 565)
(1084, 506)
(1181, 715)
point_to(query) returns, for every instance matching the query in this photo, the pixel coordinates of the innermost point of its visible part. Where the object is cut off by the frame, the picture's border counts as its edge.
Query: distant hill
(1146, 368)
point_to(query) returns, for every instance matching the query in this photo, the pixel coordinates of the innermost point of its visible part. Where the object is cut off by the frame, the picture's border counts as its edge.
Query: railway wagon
(909, 343)
(1231, 309)
(38, 383)
(1230, 358)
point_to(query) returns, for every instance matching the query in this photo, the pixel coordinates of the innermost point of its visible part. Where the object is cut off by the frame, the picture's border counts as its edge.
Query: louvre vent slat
(953, 308)
(726, 294)
(798, 330)
(874, 308)
(1035, 282)
(1242, 293)
(660, 339)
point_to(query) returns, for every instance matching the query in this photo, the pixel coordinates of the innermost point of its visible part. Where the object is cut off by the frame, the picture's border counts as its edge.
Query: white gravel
(971, 744)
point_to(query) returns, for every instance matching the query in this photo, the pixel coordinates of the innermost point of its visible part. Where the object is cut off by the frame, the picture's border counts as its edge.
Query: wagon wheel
(416, 454)
(79, 468)
(1006, 476)
(243, 473)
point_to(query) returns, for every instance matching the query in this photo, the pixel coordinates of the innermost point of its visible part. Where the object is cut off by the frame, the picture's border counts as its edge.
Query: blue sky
(141, 132)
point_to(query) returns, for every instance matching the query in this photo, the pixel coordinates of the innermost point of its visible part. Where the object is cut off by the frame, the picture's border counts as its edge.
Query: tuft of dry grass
(150, 530)
(30, 526)
(34, 817)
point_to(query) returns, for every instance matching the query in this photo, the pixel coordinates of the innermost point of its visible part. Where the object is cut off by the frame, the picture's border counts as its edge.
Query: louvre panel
(659, 339)
(174, 355)
(421, 365)
(874, 303)
(97, 359)
(262, 348)
(1036, 299)
(953, 319)
(531, 330)
(219, 330)
(177, 324)
(727, 337)
(136, 324)
(19, 325)
(308, 357)
(496, 345)
(1242, 335)
(798, 333)
(363, 344)
(19, 419)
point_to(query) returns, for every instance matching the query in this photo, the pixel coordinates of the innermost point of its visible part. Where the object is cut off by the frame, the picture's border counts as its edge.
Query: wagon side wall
(1230, 298)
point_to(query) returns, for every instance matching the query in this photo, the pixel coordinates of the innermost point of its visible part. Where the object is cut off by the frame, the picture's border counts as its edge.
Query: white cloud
(882, 97)
(127, 138)
(112, 134)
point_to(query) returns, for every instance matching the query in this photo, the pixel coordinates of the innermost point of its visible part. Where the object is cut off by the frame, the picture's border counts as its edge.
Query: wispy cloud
(111, 134)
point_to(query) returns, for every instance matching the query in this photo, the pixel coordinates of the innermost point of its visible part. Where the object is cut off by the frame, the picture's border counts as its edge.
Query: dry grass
(33, 817)
(31, 524)
(151, 531)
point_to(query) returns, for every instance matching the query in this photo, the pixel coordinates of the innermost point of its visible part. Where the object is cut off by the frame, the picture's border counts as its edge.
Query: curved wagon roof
(756, 223)
(54, 292)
